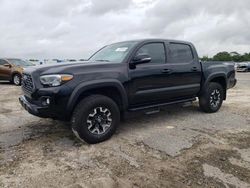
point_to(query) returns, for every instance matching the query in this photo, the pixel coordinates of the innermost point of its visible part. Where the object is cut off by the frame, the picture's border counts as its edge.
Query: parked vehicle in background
(80, 60)
(50, 61)
(248, 66)
(56, 61)
(11, 69)
(125, 77)
(243, 67)
(71, 60)
(35, 61)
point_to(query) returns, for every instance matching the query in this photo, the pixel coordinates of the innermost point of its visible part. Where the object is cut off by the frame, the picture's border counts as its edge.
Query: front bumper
(39, 110)
(33, 108)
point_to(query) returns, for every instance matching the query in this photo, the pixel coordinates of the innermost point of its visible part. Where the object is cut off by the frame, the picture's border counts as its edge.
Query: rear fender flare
(213, 76)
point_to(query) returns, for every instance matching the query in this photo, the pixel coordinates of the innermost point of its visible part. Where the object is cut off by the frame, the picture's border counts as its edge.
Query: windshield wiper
(103, 60)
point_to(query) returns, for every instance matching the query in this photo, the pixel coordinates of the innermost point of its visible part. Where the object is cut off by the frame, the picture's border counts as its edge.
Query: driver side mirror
(141, 59)
(7, 65)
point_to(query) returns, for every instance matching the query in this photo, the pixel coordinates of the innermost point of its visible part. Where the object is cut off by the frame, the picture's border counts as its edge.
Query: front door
(147, 81)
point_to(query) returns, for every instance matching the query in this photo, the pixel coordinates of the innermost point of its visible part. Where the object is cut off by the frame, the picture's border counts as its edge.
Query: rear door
(183, 61)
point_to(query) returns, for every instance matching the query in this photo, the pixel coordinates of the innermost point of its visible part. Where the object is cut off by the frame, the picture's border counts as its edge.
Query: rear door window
(180, 53)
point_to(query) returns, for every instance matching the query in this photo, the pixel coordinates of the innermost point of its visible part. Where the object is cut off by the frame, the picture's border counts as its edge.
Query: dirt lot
(178, 147)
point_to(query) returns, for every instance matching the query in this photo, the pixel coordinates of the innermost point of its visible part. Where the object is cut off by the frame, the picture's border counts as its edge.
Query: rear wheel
(211, 98)
(17, 79)
(95, 119)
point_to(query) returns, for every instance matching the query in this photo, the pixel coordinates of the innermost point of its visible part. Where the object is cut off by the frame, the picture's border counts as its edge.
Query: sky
(77, 28)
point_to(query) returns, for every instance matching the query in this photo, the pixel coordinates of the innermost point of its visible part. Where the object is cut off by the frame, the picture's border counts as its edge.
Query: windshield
(114, 53)
(19, 62)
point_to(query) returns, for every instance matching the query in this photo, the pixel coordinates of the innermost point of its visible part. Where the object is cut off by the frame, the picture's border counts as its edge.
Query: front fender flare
(95, 84)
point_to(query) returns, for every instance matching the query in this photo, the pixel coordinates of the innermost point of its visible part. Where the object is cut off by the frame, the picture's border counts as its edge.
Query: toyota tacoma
(130, 76)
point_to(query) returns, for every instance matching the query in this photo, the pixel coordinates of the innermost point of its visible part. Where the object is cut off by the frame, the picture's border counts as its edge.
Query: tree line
(226, 56)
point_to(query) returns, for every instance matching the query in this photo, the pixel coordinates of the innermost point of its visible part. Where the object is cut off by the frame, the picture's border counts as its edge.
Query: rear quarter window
(180, 53)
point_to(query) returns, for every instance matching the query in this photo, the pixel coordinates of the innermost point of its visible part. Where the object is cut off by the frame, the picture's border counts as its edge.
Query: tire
(17, 79)
(211, 98)
(95, 119)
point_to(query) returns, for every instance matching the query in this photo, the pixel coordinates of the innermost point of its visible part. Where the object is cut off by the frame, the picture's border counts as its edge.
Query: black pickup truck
(138, 75)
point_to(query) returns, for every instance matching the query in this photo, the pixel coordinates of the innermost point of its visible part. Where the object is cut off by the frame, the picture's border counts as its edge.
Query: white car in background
(35, 61)
(243, 67)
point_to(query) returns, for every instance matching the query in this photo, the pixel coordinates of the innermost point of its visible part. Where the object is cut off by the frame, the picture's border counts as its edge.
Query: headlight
(55, 79)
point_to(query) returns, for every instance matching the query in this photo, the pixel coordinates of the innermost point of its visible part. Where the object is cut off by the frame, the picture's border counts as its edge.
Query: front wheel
(95, 119)
(211, 98)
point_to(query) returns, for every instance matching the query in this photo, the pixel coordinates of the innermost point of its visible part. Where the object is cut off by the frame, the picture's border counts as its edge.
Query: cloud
(101, 7)
(75, 29)
(212, 25)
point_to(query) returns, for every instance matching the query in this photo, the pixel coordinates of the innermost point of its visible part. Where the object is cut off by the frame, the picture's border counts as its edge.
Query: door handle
(166, 71)
(195, 69)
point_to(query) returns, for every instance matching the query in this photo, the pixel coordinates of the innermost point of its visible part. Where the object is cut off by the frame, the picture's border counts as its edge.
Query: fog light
(48, 101)
(45, 101)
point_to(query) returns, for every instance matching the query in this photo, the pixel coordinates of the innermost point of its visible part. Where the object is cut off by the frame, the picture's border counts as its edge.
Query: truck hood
(68, 68)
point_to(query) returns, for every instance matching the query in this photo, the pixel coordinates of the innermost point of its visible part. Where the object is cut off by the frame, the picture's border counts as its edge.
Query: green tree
(236, 57)
(205, 58)
(223, 56)
(246, 57)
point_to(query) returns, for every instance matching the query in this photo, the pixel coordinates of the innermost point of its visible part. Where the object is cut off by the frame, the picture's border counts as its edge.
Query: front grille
(27, 82)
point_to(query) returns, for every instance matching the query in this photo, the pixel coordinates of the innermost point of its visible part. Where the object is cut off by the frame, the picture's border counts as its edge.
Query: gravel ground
(178, 147)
